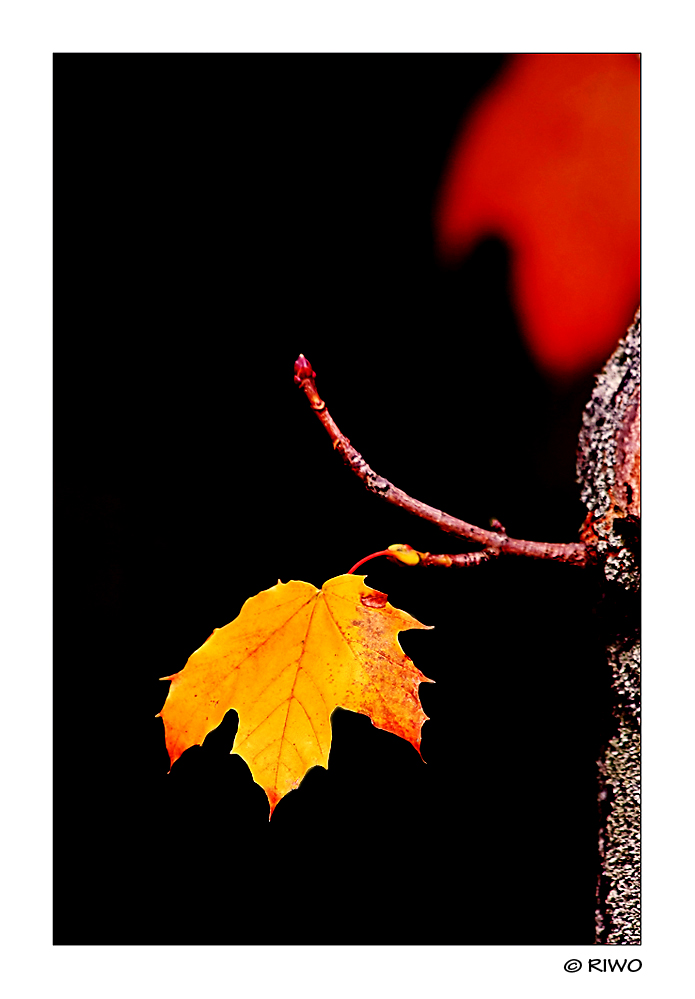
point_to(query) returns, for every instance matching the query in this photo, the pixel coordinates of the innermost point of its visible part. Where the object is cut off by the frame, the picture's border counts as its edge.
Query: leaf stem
(366, 559)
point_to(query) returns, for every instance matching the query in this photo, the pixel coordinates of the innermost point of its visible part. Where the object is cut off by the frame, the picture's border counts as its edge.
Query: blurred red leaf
(549, 161)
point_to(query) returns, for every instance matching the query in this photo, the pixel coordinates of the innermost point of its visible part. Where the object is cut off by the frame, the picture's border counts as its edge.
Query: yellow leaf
(293, 655)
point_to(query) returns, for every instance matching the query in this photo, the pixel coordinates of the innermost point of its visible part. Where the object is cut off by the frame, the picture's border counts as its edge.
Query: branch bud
(404, 553)
(302, 370)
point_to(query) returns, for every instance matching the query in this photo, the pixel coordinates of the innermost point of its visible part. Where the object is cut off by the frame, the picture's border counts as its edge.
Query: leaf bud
(404, 553)
(302, 370)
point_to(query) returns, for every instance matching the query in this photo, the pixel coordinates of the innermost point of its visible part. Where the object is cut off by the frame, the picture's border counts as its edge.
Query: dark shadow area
(215, 216)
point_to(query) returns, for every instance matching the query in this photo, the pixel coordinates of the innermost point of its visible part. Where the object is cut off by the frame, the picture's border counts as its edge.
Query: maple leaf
(293, 655)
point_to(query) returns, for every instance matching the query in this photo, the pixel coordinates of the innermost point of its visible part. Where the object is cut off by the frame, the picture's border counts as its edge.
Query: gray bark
(608, 469)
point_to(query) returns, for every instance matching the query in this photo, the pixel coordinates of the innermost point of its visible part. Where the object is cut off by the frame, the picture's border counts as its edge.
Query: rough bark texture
(608, 469)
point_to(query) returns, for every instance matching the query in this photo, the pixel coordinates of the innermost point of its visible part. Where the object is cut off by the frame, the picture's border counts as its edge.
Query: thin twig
(460, 561)
(575, 553)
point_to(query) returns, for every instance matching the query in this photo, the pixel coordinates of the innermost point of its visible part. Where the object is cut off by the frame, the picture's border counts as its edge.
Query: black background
(215, 216)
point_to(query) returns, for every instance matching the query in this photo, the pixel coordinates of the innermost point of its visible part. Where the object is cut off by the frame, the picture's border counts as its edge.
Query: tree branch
(457, 561)
(495, 541)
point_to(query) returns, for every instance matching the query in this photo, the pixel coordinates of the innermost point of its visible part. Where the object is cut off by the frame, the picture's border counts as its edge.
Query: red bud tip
(302, 370)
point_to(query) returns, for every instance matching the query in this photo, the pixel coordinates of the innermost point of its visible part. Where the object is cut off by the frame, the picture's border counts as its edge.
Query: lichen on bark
(618, 887)
(608, 469)
(608, 463)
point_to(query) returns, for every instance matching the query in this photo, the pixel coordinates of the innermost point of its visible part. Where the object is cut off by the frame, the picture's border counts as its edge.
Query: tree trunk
(608, 469)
